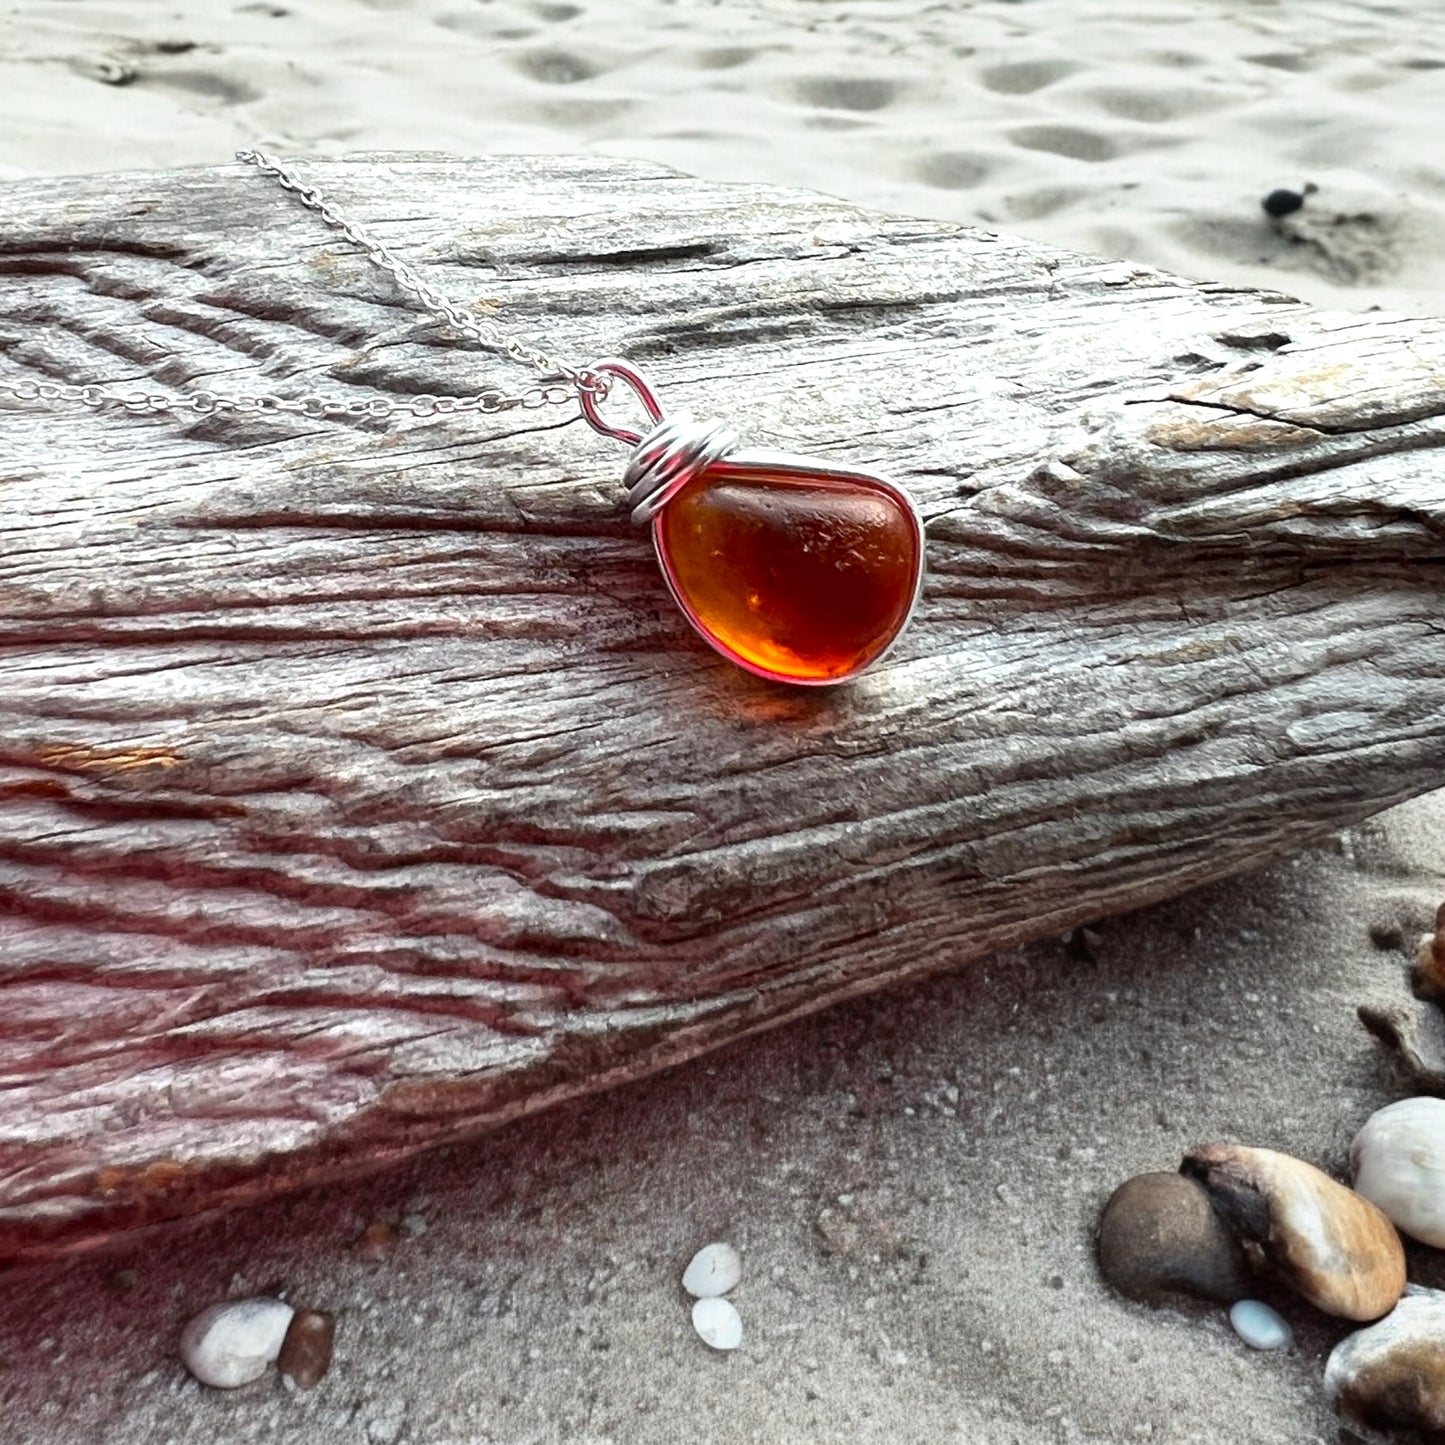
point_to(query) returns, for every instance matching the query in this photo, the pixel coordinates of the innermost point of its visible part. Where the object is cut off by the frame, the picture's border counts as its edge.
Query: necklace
(795, 569)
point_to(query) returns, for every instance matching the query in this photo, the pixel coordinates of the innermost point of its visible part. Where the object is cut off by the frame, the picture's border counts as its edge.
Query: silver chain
(562, 383)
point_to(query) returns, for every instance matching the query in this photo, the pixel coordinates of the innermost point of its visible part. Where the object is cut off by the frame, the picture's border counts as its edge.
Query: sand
(912, 1180)
(1145, 131)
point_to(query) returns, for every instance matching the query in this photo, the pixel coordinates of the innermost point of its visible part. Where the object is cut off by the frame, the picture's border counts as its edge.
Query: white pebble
(714, 1270)
(1259, 1326)
(236, 1342)
(717, 1323)
(1399, 1165)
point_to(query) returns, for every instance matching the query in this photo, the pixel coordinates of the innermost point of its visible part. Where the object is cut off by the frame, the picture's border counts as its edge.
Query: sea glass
(803, 575)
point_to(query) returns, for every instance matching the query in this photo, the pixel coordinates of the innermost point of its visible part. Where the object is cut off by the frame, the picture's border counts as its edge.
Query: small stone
(377, 1241)
(233, 1343)
(1259, 1326)
(1330, 1244)
(1398, 1160)
(717, 1323)
(385, 1428)
(713, 1271)
(1158, 1236)
(1283, 201)
(1429, 971)
(1387, 1383)
(306, 1351)
(838, 1234)
(112, 70)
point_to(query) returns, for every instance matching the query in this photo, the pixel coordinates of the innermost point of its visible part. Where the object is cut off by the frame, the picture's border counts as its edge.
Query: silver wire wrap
(663, 460)
(668, 458)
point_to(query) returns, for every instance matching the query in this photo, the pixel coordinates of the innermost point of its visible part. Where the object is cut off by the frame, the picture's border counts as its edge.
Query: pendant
(794, 569)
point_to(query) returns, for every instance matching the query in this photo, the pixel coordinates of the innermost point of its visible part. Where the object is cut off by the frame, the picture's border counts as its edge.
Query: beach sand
(913, 1179)
(1144, 131)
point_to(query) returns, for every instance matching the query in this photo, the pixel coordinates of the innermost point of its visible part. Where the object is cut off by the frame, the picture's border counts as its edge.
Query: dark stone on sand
(1282, 203)
(1159, 1237)
(306, 1351)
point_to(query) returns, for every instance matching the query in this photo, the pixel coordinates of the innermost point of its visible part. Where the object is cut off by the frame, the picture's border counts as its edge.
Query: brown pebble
(1429, 971)
(1330, 1244)
(1388, 1382)
(1159, 1237)
(377, 1241)
(306, 1351)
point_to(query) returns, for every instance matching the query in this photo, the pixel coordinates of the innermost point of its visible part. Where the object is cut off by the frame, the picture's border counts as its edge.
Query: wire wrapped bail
(668, 457)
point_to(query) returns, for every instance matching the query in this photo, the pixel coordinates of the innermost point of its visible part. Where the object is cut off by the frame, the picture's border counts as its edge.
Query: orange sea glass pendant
(792, 568)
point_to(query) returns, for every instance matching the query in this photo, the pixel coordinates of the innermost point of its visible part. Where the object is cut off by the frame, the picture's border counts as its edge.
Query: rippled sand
(1142, 131)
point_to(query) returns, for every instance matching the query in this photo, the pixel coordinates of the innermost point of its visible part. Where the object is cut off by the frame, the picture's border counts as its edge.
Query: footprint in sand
(723, 57)
(1041, 201)
(1065, 140)
(1024, 77)
(1359, 248)
(146, 64)
(556, 66)
(1351, 247)
(576, 112)
(1281, 60)
(830, 121)
(482, 25)
(226, 90)
(840, 92)
(953, 170)
(1155, 107)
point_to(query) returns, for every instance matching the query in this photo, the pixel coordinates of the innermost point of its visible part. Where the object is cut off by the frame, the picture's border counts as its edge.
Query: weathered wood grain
(359, 786)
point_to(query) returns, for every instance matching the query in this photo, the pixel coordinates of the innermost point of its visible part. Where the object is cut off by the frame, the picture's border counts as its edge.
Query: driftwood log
(360, 786)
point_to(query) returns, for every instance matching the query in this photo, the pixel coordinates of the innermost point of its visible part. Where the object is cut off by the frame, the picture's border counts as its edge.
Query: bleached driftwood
(361, 786)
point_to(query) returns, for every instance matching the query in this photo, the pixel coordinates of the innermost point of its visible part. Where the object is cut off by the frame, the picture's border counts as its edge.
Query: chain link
(562, 383)
(208, 403)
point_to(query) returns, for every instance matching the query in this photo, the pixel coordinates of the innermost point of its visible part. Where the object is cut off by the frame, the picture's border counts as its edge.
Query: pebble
(377, 1241)
(1429, 972)
(1387, 1383)
(1285, 202)
(1398, 1161)
(1259, 1326)
(1159, 1236)
(717, 1323)
(235, 1342)
(110, 70)
(385, 1427)
(306, 1351)
(1330, 1244)
(713, 1271)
